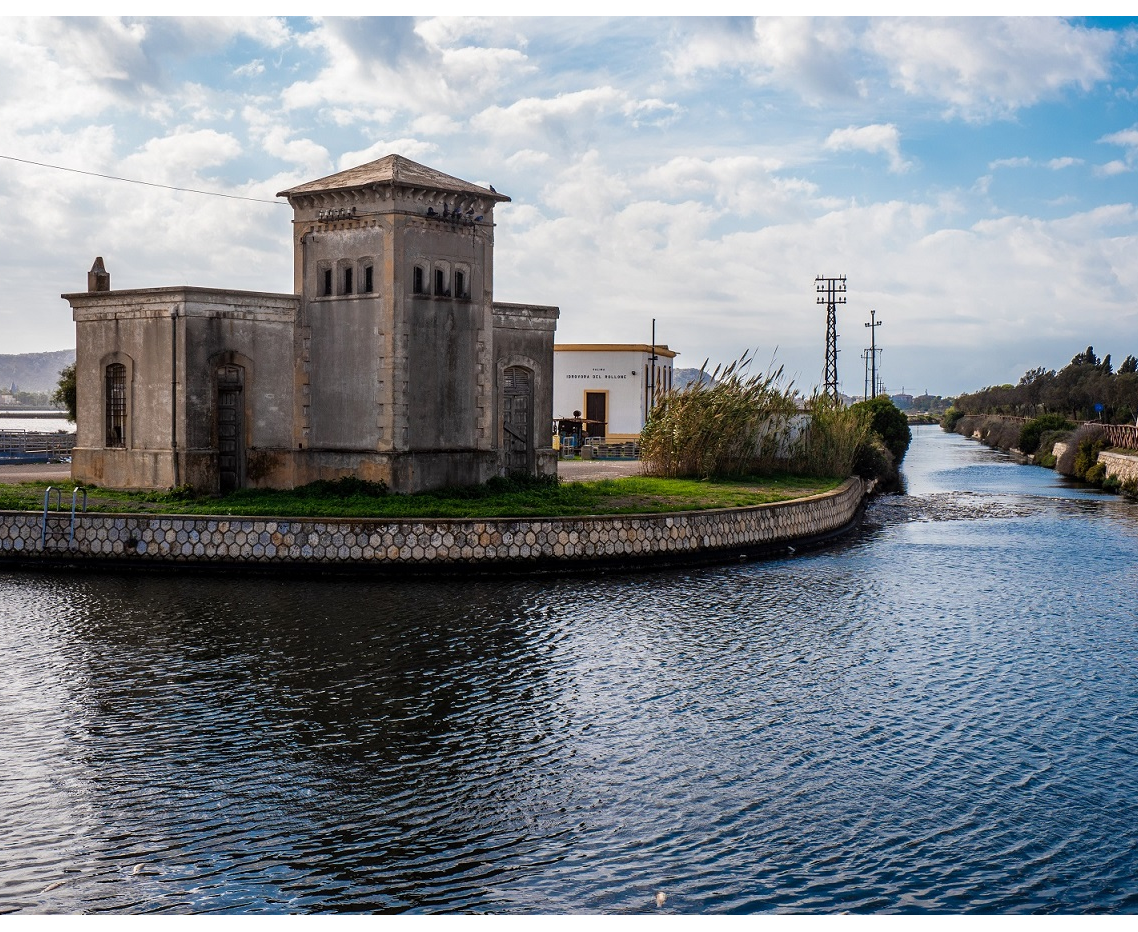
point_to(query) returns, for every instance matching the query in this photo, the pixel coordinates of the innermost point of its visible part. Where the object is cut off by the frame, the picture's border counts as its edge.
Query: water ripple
(938, 714)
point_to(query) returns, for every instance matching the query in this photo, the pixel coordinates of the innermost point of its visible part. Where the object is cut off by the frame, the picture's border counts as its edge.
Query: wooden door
(231, 427)
(596, 404)
(517, 408)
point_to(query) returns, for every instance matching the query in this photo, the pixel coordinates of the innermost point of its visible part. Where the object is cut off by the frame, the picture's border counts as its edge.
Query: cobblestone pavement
(35, 472)
(590, 470)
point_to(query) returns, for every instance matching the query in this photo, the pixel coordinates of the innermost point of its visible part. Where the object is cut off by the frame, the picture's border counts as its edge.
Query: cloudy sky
(974, 179)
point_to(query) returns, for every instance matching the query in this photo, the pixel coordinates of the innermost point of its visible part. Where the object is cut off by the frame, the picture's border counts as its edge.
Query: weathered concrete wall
(523, 336)
(170, 341)
(453, 543)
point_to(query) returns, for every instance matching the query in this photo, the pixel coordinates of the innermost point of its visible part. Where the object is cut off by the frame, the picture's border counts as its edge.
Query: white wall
(620, 373)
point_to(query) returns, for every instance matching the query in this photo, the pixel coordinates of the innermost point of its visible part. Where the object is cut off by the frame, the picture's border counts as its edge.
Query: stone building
(390, 361)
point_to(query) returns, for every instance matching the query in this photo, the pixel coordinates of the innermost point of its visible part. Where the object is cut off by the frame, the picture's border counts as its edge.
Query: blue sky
(973, 178)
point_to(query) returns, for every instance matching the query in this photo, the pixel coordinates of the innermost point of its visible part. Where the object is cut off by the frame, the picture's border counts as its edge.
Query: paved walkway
(569, 470)
(591, 470)
(35, 472)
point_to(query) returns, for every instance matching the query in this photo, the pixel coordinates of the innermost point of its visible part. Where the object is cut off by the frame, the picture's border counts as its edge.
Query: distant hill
(682, 378)
(34, 372)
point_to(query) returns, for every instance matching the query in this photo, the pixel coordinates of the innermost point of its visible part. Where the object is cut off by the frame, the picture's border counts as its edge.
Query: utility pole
(831, 292)
(873, 325)
(865, 359)
(651, 401)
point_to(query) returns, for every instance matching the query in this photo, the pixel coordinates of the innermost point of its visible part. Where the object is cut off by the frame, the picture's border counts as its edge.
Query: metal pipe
(174, 392)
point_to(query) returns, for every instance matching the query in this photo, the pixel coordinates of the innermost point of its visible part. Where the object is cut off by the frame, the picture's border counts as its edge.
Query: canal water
(42, 421)
(938, 714)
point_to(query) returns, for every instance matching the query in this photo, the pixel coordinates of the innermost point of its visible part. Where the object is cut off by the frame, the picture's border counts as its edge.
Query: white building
(611, 384)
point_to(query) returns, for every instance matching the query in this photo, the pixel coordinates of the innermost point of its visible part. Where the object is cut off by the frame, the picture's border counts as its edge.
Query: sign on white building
(611, 384)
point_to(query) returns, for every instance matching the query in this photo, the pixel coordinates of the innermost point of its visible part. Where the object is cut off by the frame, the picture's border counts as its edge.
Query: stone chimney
(98, 279)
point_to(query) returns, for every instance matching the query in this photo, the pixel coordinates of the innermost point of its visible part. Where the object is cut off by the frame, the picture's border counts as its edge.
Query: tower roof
(392, 169)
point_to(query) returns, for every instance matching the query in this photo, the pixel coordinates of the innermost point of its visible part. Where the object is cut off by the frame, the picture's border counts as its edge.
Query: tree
(65, 393)
(1085, 359)
(890, 424)
(1129, 365)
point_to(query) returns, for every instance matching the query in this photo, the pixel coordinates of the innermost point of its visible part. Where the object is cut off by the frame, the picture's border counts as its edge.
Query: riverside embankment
(57, 538)
(1109, 452)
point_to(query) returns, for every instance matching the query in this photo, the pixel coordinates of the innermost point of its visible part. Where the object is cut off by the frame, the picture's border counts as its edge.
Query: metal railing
(18, 442)
(75, 493)
(1117, 435)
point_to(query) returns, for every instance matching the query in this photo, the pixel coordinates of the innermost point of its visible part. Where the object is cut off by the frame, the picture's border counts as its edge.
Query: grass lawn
(501, 498)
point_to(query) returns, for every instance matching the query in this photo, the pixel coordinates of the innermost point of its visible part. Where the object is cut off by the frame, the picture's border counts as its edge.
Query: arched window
(116, 405)
(417, 284)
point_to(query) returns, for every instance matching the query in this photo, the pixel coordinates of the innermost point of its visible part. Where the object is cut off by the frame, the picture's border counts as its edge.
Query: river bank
(1083, 453)
(59, 538)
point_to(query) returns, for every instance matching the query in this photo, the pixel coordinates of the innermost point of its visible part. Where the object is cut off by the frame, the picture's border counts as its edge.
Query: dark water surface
(937, 714)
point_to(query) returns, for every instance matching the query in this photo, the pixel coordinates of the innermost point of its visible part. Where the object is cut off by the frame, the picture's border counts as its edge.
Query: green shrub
(1032, 432)
(1095, 474)
(890, 424)
(874, 461)
(1089, 441)
(949, 419)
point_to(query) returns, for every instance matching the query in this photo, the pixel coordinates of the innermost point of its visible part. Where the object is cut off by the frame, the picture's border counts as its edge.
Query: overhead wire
(149, 184)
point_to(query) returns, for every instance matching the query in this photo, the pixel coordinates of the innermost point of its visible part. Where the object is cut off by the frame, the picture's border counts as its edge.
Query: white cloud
(738, 186)
(415, 149)
(529, 114)
(527, 158)
(877, 137)
(250, 69)
(1127, 138)
(178, 158)
(396, 65)
(814, 57)
(1056, 164)
(436, 124)
(988, 67)
(1018, 162)
(1115, 167)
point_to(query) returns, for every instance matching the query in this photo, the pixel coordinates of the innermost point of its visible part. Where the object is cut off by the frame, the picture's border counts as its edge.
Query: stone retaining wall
(453, 544)
(1120, 466)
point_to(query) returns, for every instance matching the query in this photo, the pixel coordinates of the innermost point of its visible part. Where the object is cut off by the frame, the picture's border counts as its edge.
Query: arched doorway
(517, 408)
(230, 413)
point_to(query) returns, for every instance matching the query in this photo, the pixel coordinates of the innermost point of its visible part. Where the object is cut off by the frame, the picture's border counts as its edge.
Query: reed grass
(734, 424)
(739, 424)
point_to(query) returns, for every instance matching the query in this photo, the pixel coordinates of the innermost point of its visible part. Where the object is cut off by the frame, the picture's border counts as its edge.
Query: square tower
(394, 266)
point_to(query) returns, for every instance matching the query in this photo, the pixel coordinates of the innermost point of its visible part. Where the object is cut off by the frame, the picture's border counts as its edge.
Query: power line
(149, 184)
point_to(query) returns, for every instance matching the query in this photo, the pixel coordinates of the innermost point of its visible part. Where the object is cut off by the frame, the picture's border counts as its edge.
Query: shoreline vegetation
(499, 498)
(1058, 420)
